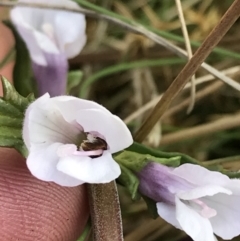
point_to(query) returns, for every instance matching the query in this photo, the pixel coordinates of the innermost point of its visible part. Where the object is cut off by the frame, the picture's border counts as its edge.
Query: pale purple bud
(158, 183)
(51, 78)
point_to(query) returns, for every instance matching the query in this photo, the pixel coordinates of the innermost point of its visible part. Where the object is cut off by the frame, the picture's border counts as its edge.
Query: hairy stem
(105, 212)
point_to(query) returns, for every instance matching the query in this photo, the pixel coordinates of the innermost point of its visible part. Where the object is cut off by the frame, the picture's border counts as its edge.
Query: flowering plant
(71, 143)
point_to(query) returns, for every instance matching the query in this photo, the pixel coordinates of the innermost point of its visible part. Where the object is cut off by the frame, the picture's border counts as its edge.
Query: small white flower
(47, 31)
(71, 140)
(194, 199)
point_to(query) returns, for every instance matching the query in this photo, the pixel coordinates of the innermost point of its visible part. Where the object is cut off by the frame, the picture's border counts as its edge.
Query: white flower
(194, 199)
(47, 31)
(71, 140)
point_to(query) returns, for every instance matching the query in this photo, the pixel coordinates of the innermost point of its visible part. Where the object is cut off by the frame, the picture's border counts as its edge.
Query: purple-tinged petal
(50, 31)
(202, 191)
(234, 186)
(158, 183)
(199, 175)
(227, 222)
(26, 130)
(197, 227)
(71, 40)
(42, 164)
(102, 169)
(69, 106)
(52, 78)
(111, 127)
(44, 125)
(45, 42)
(168, 213)
(27, 33)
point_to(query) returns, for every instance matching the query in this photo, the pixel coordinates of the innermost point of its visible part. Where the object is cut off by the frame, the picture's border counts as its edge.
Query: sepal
(136, 161)
(140, 148)
(129, 180)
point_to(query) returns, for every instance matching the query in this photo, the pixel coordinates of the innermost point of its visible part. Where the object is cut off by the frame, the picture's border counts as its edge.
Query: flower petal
(45, 43)
(71, 38)
(110, 127)
(91, 170)
(29, 22)
(197, 227)
(227, 223)
(234, 186)
(27, 33)
(26, 132)
(44, 124)
(67, 38)
(168, 213)
(69, 106)
(199, 175)
(42, 164)
(198, 192)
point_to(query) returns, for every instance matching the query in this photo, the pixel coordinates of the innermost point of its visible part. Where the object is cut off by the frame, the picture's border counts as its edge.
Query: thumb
(35, 210)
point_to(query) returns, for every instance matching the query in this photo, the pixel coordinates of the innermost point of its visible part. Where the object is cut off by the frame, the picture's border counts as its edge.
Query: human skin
(31, 209)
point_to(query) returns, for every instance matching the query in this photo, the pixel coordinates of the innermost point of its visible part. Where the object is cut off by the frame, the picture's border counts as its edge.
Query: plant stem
(190, 68)
(105, 212)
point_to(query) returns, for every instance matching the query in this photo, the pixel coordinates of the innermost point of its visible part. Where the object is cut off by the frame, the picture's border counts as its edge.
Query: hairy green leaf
(137, 161)
(140, 148)
(12, 108)
(129, 180)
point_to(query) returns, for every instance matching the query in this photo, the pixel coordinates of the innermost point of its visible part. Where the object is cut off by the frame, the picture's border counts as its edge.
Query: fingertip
(35, 210)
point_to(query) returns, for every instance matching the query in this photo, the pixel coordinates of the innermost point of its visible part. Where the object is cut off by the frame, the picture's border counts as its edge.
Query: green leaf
(12, 97)
(140, 148)
(137, 161)
(129, 180)
(22, 72)
(12, 108)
